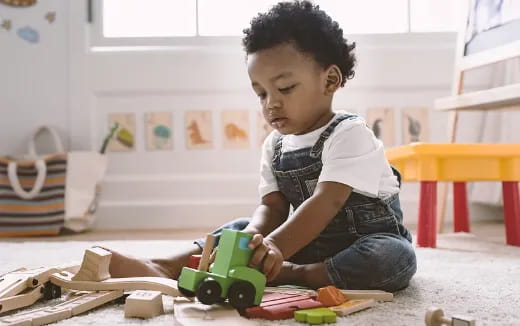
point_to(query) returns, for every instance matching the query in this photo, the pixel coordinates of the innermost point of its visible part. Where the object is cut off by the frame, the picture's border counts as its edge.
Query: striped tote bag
(43, 195)
(32, 195)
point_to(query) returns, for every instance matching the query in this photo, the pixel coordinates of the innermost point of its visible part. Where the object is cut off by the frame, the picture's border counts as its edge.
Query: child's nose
(273, 102)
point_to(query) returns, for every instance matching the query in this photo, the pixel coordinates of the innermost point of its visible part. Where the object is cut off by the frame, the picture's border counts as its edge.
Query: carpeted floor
(466, 274)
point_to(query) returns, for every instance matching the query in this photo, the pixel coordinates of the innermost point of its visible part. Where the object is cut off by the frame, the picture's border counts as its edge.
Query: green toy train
(228, 277)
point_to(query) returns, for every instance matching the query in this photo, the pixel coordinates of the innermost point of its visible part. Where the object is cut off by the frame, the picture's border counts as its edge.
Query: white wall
(191, 188)
(33, 77)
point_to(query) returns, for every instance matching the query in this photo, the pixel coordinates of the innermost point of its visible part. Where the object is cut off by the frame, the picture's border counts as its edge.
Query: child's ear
(333, 80)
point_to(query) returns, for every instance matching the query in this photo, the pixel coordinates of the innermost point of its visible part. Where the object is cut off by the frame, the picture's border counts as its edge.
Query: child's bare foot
(128, 266)
(310, 275)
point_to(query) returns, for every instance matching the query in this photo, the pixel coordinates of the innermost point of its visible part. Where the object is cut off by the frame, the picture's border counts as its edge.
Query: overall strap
(277, 144)
(318, 147)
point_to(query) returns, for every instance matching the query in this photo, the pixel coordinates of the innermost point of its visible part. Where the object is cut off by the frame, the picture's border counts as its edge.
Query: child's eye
(286, 89)
(261, 95)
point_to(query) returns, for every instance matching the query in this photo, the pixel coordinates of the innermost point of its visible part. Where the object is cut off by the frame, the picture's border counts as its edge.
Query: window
(150, 18)
(228, 17)
(368, 16)
(438, 15)
(157, 22)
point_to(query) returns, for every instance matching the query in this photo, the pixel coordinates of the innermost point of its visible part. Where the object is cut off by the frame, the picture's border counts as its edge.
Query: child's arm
(307, 222)
(310, 218)
(271, 213)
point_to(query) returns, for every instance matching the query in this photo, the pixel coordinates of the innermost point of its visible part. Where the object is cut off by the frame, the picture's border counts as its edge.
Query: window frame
(98, 41)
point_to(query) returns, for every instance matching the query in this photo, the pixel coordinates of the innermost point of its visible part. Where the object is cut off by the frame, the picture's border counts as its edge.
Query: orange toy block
(331, 296)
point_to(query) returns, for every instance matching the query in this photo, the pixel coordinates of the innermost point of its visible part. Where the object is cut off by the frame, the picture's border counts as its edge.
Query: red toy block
(194, 261)
(276, 306)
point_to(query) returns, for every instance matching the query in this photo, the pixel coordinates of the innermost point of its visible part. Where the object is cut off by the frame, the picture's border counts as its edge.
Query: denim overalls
(365, 246)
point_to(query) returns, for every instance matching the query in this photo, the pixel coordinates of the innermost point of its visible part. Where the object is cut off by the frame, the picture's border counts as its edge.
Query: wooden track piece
(94, 266)
(144, 304)
(377, 295)
(351, 306)
(19, 280)
(164, 285)
(15, 282)
(21, 300)
(67, 309)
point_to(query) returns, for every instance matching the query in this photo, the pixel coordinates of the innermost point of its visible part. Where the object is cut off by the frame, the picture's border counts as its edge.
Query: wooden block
(316, 316)
(94, 266)
(330, 296)
(164, 285)
(276, 306)
(351, 306)
(21, 300)
(377, 295)
(144, 304)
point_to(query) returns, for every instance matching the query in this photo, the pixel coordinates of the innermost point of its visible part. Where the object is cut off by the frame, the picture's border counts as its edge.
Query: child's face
(291, 88)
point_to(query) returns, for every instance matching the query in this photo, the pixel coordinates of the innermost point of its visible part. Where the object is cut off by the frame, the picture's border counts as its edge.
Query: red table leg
(511, 212)
(460, 208)
(427, 225)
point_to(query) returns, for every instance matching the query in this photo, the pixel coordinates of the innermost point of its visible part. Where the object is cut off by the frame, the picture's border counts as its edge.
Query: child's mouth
(279, 122)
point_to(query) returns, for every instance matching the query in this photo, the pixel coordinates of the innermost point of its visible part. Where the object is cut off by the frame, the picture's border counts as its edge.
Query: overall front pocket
(373, 218)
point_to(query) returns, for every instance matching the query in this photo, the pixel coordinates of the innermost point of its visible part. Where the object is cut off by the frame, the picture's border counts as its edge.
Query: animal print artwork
(235, 127)
(199, 130)
(415, 124)
(381, 121)
(158, 131)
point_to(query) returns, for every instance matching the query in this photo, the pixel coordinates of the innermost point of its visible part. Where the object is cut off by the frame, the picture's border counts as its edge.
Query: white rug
(465, 275)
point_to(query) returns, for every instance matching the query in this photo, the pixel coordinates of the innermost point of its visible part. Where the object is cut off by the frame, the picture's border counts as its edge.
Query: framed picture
(381, 121)
(492, 26)
(235, 128)
(199, 129)
(158, 127)
(415, 125)
(124, 136)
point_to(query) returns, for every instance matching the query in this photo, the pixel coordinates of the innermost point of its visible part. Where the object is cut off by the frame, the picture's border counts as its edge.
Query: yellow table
(459, 163)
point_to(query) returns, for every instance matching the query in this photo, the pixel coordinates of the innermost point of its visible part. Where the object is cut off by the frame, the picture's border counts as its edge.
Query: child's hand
(267, 255)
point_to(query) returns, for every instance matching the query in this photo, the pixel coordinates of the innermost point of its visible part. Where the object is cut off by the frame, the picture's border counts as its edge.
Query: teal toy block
(316, 316)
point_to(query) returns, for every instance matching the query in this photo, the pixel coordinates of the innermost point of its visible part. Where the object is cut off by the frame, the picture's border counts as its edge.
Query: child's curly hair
(311, 30)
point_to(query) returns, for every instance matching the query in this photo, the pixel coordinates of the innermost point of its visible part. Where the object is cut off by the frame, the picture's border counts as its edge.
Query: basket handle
(38, 185)
(56, 138)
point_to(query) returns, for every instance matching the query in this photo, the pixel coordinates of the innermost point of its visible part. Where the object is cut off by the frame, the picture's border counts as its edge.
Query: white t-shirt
(352, 155)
